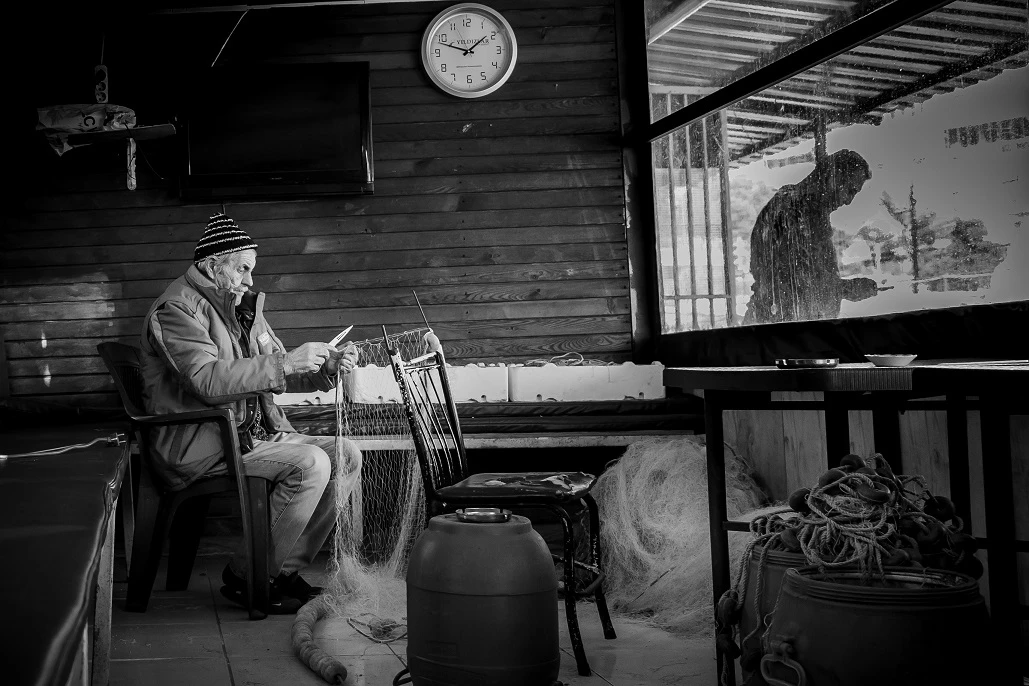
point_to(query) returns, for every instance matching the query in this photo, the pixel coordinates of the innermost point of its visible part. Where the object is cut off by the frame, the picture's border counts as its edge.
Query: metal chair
(438, 441)
(178, 516)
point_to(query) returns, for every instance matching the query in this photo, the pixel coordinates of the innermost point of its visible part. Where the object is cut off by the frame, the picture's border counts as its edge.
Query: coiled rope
(865, 518)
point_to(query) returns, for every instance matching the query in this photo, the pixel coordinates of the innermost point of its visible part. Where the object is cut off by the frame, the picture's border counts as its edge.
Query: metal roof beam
(908, 90)
(870, 25)
(675, 16)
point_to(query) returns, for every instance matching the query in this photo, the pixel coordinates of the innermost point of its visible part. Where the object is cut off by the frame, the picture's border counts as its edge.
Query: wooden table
(57, 516)
(1000, 387)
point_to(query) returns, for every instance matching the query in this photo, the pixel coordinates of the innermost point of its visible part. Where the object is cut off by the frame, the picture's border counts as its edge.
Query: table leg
(837, 428)
(717, 512)
(957, 458)
(886, 428)
(1000, 532)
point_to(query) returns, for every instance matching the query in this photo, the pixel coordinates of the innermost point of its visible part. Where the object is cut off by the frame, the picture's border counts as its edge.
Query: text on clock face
(469, 50)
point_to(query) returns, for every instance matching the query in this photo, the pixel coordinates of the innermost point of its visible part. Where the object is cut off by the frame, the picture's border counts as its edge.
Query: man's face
(846, 192)
(235, 273)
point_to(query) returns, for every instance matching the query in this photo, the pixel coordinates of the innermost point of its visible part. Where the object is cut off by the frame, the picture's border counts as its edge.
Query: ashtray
(890, 360)
(807, 363)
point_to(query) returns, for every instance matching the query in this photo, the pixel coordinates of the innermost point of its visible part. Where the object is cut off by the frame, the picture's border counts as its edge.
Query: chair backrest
(432, 415)
(123, 362)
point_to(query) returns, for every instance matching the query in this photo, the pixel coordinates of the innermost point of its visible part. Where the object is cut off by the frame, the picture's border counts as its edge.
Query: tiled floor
(197, 638)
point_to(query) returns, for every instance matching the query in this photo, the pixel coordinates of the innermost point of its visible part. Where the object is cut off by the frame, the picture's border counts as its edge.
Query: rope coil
(861, 516)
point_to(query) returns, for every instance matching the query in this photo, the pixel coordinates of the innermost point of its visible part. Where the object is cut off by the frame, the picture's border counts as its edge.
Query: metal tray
(807, 363)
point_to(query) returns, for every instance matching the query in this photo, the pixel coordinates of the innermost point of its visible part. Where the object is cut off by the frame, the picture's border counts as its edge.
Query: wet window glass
(701, 45)
(894, 177)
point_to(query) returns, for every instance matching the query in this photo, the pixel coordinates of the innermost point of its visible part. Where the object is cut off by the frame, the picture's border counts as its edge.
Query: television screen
(278, 130)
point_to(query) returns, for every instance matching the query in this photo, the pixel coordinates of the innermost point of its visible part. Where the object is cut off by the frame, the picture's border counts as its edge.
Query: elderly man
(792, 256)
(206, 343)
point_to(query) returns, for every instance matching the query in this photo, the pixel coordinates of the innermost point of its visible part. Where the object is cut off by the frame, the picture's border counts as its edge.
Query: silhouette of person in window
(792, 256)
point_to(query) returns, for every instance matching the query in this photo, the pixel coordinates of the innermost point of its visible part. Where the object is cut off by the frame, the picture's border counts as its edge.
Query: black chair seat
(520, 487)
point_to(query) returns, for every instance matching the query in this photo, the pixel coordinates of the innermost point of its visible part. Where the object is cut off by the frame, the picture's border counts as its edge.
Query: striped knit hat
(221, 237)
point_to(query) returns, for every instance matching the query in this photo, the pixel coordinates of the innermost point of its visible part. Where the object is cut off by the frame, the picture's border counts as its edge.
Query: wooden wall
(505, 214)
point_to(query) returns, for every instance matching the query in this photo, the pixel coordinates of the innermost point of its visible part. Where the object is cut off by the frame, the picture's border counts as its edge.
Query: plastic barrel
(482, 603)
(909, 627)
(769, 572)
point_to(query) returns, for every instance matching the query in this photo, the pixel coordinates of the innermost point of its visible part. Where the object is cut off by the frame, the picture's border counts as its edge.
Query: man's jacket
(193, 359)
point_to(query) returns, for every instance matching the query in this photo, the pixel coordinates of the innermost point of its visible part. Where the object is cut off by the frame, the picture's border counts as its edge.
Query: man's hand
(347, 360)
(308, 357)
(859, 289)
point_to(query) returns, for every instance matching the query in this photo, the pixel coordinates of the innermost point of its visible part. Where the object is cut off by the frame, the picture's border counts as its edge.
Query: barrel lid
(483, 515)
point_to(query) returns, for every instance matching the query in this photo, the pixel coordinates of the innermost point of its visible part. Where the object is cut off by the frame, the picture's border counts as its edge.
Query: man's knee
(314, 462)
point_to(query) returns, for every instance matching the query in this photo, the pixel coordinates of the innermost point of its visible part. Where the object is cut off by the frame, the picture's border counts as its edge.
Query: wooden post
(5, 385)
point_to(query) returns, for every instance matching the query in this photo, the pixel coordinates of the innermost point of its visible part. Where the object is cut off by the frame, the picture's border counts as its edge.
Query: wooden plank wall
(505, 213)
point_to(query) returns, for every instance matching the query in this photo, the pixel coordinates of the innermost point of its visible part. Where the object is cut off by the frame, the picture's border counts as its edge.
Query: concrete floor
(198, 638)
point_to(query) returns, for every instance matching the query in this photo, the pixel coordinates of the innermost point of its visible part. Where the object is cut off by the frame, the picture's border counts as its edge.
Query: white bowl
(890, 360)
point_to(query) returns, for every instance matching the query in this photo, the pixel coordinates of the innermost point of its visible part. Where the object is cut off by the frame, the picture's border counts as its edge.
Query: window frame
(640, 133)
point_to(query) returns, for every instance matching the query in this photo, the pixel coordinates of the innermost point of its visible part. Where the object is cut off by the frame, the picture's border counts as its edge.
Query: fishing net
(653, 505)
(654, 530)
(380, 504)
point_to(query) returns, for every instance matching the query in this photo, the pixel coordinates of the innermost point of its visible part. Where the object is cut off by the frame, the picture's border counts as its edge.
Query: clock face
(469, 50)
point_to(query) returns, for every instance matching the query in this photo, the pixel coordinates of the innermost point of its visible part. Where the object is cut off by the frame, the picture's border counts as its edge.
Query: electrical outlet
(100, 83)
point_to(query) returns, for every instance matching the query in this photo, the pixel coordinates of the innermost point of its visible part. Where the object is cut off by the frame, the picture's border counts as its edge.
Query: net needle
(421, 310)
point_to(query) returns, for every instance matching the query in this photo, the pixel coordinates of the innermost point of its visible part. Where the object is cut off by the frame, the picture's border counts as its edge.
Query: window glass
(701, 45)
(892, 178)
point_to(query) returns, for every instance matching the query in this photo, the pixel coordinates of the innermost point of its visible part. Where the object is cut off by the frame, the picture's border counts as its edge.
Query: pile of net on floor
(654, 515)
(654, 530)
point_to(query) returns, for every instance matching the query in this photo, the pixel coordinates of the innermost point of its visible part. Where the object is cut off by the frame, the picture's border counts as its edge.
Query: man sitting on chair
(206, 343)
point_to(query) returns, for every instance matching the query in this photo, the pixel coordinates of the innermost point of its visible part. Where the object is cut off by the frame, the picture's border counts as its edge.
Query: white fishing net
(654, 530)
(652, 500)
(380, 503)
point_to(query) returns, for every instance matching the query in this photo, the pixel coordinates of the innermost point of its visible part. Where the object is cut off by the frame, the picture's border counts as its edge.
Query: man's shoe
(235, 589)
(294, 586)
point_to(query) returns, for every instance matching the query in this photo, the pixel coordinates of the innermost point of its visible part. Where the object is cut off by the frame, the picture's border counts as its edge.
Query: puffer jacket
(193, 360)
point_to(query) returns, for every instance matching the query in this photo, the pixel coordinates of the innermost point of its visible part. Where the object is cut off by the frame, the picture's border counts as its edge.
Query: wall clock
(469, 50)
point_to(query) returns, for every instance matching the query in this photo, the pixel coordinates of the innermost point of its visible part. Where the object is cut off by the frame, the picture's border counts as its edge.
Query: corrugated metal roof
(721, 40)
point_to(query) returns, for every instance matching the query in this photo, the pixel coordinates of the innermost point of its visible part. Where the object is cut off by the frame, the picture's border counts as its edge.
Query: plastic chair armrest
(222, 416)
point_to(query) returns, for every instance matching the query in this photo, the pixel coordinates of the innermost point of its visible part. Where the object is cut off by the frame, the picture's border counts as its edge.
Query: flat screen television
(272, 130)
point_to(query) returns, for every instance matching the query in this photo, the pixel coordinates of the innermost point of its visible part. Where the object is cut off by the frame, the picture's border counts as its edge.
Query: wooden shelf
(139, 133)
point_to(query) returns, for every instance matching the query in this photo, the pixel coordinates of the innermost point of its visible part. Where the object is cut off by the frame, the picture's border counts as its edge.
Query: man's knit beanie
(221, 237)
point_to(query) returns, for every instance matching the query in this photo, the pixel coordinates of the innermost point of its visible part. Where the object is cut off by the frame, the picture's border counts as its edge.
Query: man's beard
(223, 283)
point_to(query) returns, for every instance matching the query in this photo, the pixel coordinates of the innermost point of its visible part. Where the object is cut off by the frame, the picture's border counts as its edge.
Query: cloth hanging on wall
(57, 122)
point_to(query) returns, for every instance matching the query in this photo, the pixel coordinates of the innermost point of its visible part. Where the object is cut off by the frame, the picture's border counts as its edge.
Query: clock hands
(469, 51)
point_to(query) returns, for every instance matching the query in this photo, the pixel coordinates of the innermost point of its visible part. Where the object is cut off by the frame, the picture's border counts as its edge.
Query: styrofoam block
(315, 398)
(474, 384)
(586, 382)
(371, 384)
